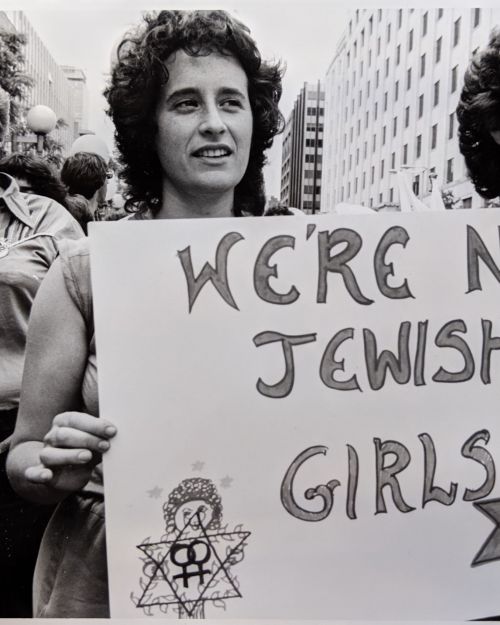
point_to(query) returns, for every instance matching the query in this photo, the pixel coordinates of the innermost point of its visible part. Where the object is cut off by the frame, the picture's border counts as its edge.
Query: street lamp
(41, 120)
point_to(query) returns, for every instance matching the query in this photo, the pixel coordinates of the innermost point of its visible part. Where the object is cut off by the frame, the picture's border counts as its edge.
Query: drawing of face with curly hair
(195, 502)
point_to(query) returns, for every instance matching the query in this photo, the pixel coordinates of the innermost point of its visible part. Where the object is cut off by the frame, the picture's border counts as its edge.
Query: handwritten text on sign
(312, 375)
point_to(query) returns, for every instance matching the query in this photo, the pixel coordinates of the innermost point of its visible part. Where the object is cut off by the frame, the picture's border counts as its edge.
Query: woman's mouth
(212, 152)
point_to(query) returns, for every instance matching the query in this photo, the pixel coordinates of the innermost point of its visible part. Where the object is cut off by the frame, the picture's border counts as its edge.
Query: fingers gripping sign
(72, 447)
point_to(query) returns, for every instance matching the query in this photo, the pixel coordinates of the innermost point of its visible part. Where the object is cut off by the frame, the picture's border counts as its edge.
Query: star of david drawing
(191, 565)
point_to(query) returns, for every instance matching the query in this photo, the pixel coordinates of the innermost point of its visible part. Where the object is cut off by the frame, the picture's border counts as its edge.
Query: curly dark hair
(192, 489)
(84, 173)
(478, 114)
(39, 175)
(139, 74)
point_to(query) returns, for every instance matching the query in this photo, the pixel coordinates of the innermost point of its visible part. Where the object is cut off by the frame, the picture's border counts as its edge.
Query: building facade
(302, 150)
(79, 98)
(392, 89)
(51, 85)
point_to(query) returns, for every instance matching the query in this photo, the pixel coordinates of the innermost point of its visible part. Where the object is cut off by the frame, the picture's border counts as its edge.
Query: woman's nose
(212, 122)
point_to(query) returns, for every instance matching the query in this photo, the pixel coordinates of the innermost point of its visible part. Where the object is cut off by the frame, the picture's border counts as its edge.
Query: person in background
(85, 176)
(478, 114)
(31, 229)
(194, 108)
(34, 175)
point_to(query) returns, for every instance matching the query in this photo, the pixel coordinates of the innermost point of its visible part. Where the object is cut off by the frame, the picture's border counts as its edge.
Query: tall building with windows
(302, 150)
(392, 89)
(51, 85)
(79, 98)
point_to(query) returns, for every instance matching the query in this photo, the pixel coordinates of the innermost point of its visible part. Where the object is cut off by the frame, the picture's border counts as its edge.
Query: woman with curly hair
(478, 115)
(194, 108)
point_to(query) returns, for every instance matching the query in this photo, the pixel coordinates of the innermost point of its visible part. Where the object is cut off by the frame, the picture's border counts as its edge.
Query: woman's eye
(232, 103)
(186, 105)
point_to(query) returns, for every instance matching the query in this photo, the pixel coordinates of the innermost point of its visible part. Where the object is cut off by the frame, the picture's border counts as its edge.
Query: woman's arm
(54, 448)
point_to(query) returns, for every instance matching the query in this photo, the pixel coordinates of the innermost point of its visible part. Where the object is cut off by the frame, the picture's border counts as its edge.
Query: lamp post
(41, 120)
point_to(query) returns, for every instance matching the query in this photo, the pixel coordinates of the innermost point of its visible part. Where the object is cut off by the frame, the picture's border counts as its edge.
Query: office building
(302, 150)
(51, 85)
(392, 89)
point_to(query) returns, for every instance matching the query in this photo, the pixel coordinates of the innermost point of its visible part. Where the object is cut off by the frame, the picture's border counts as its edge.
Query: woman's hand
(72, 447)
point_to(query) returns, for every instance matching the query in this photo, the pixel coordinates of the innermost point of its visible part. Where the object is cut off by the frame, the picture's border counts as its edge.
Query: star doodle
(155, 493)
(207, 556)
(226, 482)
(198, 465)
(490, 551)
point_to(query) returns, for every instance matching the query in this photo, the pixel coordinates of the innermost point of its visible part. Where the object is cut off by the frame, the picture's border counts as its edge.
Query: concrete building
(79, 98)
(51, 84)
(302, 150)
(391, 93)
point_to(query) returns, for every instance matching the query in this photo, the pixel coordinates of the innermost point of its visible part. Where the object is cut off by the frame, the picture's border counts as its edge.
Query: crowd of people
(194, 108)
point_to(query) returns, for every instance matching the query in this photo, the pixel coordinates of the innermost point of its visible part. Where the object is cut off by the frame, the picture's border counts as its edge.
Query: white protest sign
(308, 424)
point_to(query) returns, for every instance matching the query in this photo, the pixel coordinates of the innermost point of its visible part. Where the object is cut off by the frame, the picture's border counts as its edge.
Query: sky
(303, 35)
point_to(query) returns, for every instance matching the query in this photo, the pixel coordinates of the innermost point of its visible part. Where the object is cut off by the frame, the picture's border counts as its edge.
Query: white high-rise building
(392, 89)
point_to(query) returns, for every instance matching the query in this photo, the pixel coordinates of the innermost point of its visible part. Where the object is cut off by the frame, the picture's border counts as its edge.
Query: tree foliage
(13, 79)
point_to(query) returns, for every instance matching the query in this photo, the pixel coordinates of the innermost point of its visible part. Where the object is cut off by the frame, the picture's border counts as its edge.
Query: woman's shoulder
(74, 257)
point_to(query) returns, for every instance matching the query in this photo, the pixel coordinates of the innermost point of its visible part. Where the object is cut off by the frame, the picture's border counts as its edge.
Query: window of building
(439, 14)
(355, 49)
(375, 111)
(422, 65)
(353, 79)
(393, 160)
(356, 184)
(372, 175)
(394, 126)
(407, 116)
(369, 57)
(380, 15)
(361, 66)
(368, 89)
(377, 76)
(370, 24)
(410, 40)
(387, 67)
(378, 46)
(456, 32)
(345, 139)
(360, 97)
(350, 27)
(380, 198)
(451, 124)
(408, 78)
(405, 154)
(348, 59)
(366, 119)
(382, 163)
(454, 79)
(425, 17)
(400, 17)
(391, 195)
(434, 132)
(436, 93)
(384, 132)
(420, 105)
(358, 127)
(476, 18)
(449, 170)
(396, 91)
(357, 156)
(398, 54)
(374, 143)
(364, 179)
(416, 185)
(418, 150)
(467, 201)
(386, 95)
(365, 149)
(439, 45)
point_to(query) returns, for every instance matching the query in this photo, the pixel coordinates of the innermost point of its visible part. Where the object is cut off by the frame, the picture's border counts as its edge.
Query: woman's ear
(496, 136)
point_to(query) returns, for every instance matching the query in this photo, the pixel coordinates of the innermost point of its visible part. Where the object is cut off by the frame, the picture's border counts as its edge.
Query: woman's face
(204, 125)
